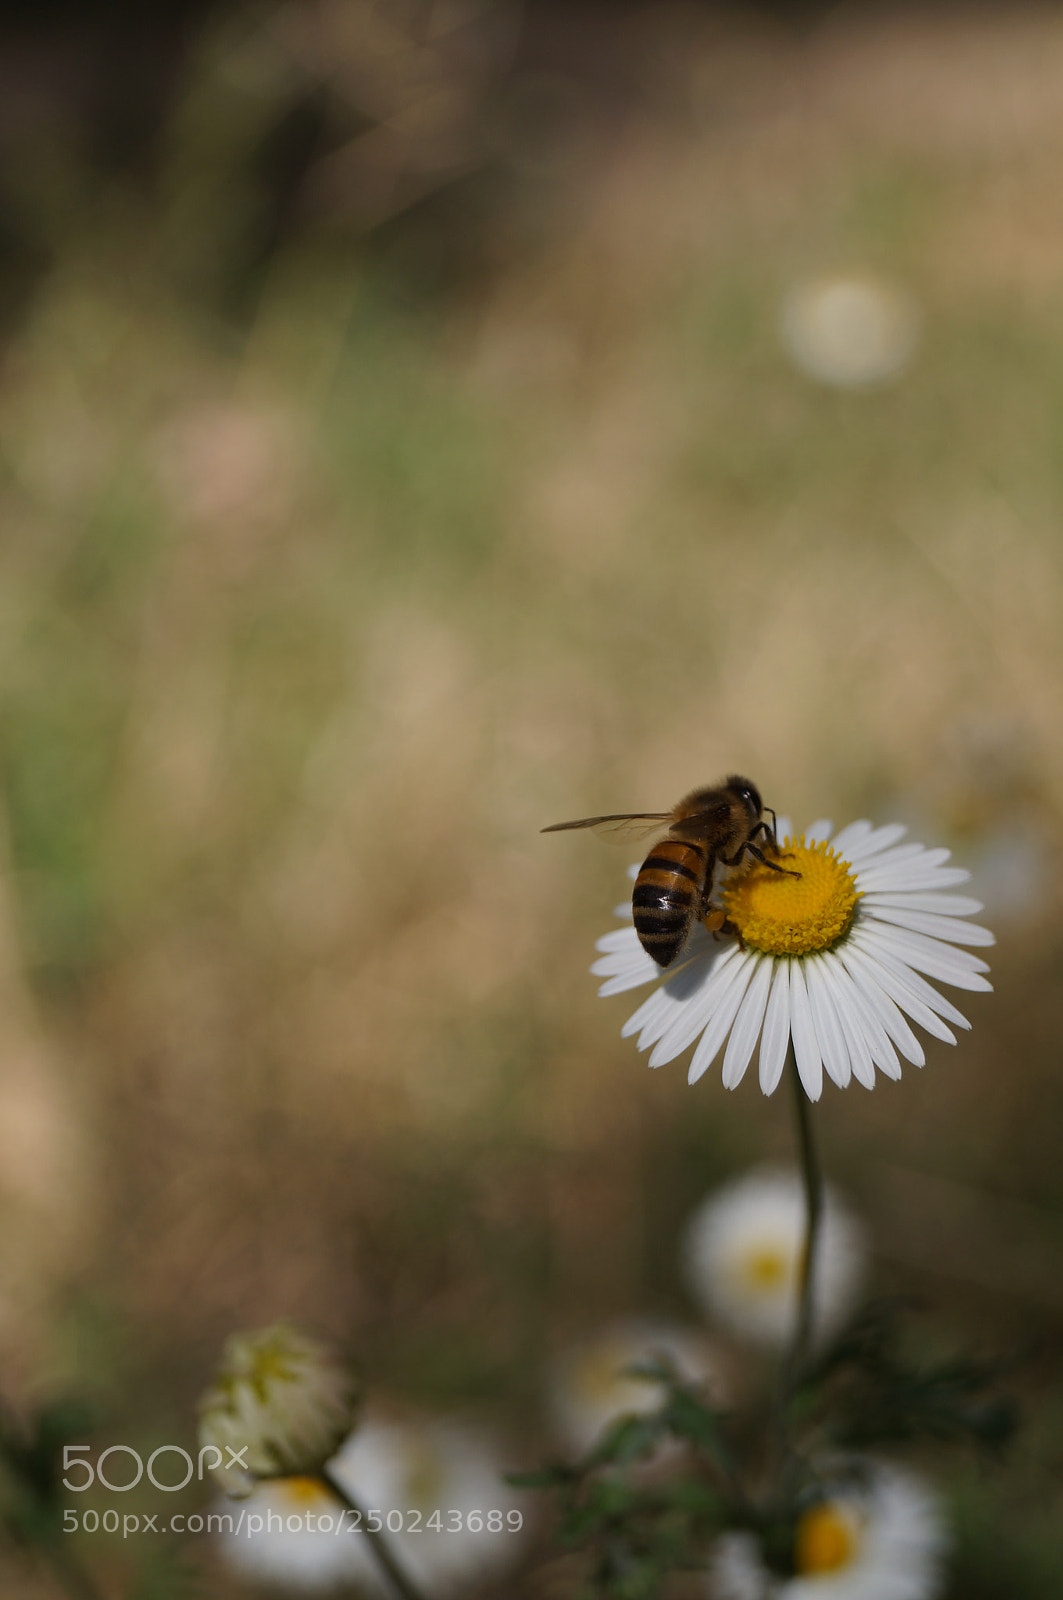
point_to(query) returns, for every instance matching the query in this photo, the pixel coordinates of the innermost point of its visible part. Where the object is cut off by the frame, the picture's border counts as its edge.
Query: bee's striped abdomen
(668, 894)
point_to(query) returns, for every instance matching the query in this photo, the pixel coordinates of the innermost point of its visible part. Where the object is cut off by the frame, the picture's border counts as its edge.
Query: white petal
(850, 839)
(671, 1033)
(887, 1013)
(820, 830)
(944, 905)
(841, 986)
(918, 878)
(911, 979)
(719, 1025)
(683, 982)
(671, 1029)
(828, 1028)
(806, 1045)
(871, 842)
(935, 927)
(937, 960)
(625, 971)
(622, 983)
(784, 828)
(627, 966)
(656, 1006)
(903, 995)
(747, 1024)
(776, 1035)
(623, 911)
(864, 1015)
(696, 1012)
(904, 853)
(621, 939)
(694, 986)
(906, 875)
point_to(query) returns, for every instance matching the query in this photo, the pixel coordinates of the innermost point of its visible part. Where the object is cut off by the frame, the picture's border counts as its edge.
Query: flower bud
(281, 1405)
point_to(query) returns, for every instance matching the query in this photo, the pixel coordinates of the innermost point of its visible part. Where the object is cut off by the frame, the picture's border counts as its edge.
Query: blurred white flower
(849, 331)
(592, 1385)
(288, 1536)
(877, 1537)
(447, 1514)
(831, 959)
(742, 1251)
(280, 1406)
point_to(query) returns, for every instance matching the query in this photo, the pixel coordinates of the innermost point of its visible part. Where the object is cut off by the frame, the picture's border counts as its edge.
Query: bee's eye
(746, 792)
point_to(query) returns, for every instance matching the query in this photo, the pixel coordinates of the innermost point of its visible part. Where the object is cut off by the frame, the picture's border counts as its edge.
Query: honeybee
(708, 827)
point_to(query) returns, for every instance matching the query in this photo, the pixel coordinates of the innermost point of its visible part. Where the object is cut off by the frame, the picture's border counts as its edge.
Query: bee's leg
(732, 861)
(762, 827)
(761, 857)
(768, 832)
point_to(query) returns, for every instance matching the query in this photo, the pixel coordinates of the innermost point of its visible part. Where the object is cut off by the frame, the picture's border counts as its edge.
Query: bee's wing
(705, 824)
(624, 825)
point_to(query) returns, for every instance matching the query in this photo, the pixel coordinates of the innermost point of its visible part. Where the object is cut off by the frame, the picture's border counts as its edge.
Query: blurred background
(422, 422)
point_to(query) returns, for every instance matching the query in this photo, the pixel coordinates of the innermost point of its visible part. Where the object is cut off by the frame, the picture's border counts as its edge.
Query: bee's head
(749, 795)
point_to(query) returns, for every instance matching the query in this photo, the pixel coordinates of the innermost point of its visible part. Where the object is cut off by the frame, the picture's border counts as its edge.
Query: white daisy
(280, 1406)
(288, 1536)
(448, 1515)
(850, 331)
(593, 1386)
(878, 1537)
(832, 959)
(743, 1250)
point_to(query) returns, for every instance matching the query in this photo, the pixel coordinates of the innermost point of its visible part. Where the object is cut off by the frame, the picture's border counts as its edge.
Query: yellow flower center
(765, 1269)
(783, 915)
(827, 1539)
(306, 1491)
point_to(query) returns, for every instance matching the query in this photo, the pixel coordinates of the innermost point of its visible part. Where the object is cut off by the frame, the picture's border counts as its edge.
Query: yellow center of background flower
(305, 1491)
(790, 916)
(764, 1269)
(826, 1540)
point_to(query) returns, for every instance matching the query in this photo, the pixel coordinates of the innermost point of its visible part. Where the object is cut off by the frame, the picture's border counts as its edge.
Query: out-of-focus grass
(314, 610)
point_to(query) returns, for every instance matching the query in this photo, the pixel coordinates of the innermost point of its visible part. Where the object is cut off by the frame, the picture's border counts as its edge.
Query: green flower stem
(779, 1451)
(402, 1584)
(812, 1178)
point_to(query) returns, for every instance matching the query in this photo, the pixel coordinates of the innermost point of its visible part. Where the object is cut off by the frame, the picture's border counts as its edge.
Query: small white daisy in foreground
(453, 1520)
(593, 1386)
(742, 1251)
(882, 1538)
(832, 959)
(288, 1536)
(280, 1406)
(848, 331)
